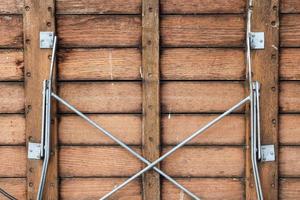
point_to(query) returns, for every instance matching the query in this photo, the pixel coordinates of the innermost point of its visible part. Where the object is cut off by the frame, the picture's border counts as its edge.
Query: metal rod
(10, 197)
(257, 87)
(43, 119)
(176, 147)
(123, 145)
(53, 56)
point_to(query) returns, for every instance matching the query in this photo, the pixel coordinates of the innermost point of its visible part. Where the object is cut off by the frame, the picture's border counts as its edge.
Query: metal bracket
(257, 40)
(46, 40)
(268, 153)
(34, 151)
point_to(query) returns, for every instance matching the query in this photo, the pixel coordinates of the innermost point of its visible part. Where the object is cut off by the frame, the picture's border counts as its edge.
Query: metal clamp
(46, 40)
(257, 40)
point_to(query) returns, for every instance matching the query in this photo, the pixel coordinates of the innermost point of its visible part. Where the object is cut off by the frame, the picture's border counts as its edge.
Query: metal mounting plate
(257, 40)
(267, 153)
(46, 40)
(34, 151)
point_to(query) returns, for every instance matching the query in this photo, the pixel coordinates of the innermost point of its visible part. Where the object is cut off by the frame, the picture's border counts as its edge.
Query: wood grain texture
(289, 97)
(289, 189)
(290, 64)
(13, 161)
(290, 30)
(204, 31)
(205, 161)
(198, 97)
(11, 65)
(289, 129)
(97, 161)
(230, 130)
(14, 186)
(11, 29)
(74, 130)
(103, 97)
(289, 161)
(203, 6)
(12, 130)
(99, 64)
(11, 98)
(97, 30)
(151, 95)
(202, 64)
(11, 7)
(98, 7)
(94, 188)
(290, 6)
(205, 188)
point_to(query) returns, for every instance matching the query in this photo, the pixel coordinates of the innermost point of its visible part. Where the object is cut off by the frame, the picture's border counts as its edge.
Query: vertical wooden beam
(38, 16)
(151, 105)
(265, 70)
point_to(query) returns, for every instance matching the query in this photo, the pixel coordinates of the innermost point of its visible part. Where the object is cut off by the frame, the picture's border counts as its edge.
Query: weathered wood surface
(204, 31)
(94, 188)
(203, 6)
(289, 129)
(289, 97)
(202, 64)
(289, 161)
(290, 30)
(289, 6)
(11, 29)
(11, 65)
(205, 188)
(99, 64)
(14, 186)
(12, 130)
(289, 188)
(84, 30)
(11, 97)
(11, 6)
(13, 161)
(290, 64)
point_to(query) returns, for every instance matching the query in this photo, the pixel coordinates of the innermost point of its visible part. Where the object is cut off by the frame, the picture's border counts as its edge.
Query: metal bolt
(30, 184)
(27, 8)
(274, 121)
(28, 74)
(49, 24)
(27, 41)
(273, 89)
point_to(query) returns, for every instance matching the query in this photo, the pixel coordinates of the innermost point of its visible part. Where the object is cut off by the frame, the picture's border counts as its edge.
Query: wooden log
(289, 161)
(13, 161)
(289, 127)
(289, 64)
(84, 31)
(11, 6)
(11, 29)
(290, 30)
(11, 97)
(289, 100)
(12, 130)
(289, 6)
(203, 31)
(289, 188)
(11, 65)
(14, 186)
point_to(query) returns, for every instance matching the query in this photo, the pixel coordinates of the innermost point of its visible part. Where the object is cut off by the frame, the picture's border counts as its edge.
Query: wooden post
(265, 70)
(151, 105)
(38, 16)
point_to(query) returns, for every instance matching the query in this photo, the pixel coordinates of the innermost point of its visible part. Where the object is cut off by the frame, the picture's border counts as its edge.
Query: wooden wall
(202, 73)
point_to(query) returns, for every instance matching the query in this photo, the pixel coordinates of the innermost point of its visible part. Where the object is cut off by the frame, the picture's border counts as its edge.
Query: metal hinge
(46, 40)
(257, 40)
(267, 153)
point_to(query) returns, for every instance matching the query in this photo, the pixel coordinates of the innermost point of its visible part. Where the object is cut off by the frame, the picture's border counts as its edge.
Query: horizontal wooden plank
(205, 162)
(230, 130)
(290, 30)
(11, 97)
(98, 30)
(99, 64)
(289, 6)
(289, 98)
(94, 188)
(289, 161)
(13, 161)
(97, 161)
(197, 97)
(74, 130)
(205, 188)
(13, 186)
(11, 65)
(289, 129)
(12, 130)
(289, 64)
(103, 97)
(98, 7)
(203, 6)
(202, 64)
(11, 29)
(11, 6)
(203, 30)
(289, 189)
